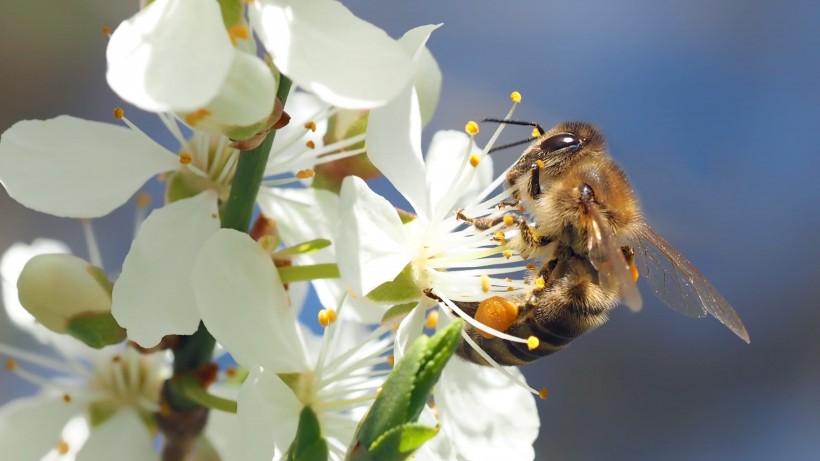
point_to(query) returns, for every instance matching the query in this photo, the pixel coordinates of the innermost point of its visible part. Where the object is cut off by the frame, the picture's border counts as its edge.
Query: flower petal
(410, 328)
(31, 426)
(426, 75)
(268, 413)
(153, 296)
(327, 50)
(122, 437)
(156, 59)
(244, 305)
(371, 238)
(504, 426)
(76, 168)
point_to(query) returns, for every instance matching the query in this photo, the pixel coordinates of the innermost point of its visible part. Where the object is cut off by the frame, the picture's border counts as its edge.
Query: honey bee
(591, 242)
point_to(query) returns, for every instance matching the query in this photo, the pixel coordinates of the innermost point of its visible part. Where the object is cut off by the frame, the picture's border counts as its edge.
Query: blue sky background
(712, 108)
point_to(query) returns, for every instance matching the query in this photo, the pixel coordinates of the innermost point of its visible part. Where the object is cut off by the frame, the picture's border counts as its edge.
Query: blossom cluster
(307, 308)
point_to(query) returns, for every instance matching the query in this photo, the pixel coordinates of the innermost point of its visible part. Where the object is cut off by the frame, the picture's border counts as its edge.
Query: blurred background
(711, 107)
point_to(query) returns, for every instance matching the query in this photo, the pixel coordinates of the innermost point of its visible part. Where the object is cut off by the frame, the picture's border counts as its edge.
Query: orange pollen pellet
(432, 320)
(62, 447)
(67, 398)
(310, 145)
(540, 164)
(532, 343)
(508, 220)
(11, 364)
(238, 32)
(540, 283)
(507, 254)
(485, 283)
(634, 269)
(185, 158)
(311, 126)
(106, 31)
(305, 174)
(474, 160)
(515, 96)
(495, 312)
(119, 113)
(143, 199)
(471, 128)
(391, 360)
(543, 393)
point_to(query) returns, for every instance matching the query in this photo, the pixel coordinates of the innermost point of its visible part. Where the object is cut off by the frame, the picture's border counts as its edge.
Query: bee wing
(606, 256)
(679, 285)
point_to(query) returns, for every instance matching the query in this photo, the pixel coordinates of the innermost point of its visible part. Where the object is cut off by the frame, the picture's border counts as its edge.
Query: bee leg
(535, 183)
(528, 233)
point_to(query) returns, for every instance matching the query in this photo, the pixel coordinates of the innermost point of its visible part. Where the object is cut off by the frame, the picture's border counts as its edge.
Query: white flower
(176, 56)
(327, 50)
(245, 306)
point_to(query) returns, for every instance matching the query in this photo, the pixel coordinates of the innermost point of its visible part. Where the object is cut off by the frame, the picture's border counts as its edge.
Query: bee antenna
(512, 144)
(537, 126)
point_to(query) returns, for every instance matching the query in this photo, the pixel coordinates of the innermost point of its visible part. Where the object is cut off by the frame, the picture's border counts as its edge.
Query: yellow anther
(471, 128)
(510, 289)
(543, 393)
(324, 317)
(231, 372)
(197, 116)
(540, 283)
(475, 160)
(311, 126)
(500, 236)
(391, 360)
(540, 164)
(143, 199)
(485, 283)
(530, 266)
(432, 320)
(67, 398)
(119, 113)
(508, 220)
(11, 364)
(305, 174)
(331, 315)
(535, 133)
(185, 158)
(165, 409)
(507, 254)
(515, 96)
(238, 32)
(267, 242)
(379, 390)
(106, 31)
(532, 343)
(310, 145)
(62, 447)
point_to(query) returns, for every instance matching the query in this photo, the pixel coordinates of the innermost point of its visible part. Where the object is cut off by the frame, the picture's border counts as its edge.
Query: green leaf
(401, 288)
(400, 442)
(96, 329)
(403, 396)
(308, 445)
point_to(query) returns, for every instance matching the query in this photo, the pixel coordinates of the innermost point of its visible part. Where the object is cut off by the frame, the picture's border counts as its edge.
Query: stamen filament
(91, 243)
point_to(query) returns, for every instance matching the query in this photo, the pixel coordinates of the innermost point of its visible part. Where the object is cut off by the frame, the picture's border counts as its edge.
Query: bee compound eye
(560, 141)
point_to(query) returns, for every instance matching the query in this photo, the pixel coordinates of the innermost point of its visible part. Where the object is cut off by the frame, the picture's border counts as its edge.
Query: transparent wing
(679, 285)
(606, 256)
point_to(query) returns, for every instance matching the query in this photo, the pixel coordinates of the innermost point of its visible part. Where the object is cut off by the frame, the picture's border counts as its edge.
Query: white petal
(372, 246)
(426, 75)
(123, 437)
(268, 413)
(153, 296)
(245, 99)
(30, 427)
(410, 328)
(223, 430)
(244, 304)
(11, 265)
(173, 55)
(504, 426)
(76, 168)
(330, 52)
(394, 146)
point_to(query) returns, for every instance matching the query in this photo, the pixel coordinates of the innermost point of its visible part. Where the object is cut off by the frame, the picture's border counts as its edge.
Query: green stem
(191, 388)
(292, 274)
(196, 350)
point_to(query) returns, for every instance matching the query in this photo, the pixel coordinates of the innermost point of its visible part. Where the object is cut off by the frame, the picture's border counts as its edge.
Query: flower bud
(68, 295)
